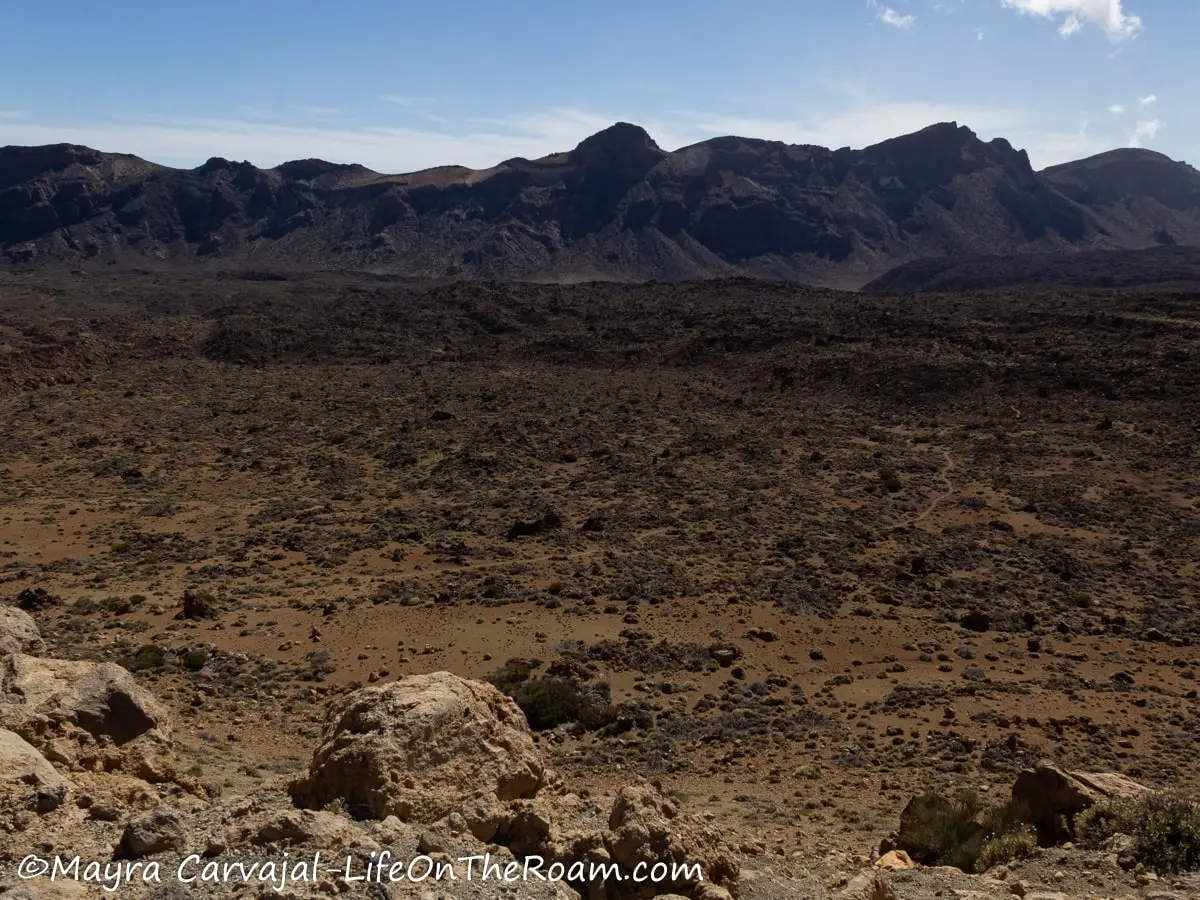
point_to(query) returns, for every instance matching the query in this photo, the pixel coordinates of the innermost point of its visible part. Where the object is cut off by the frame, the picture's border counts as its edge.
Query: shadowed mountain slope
(615, 207)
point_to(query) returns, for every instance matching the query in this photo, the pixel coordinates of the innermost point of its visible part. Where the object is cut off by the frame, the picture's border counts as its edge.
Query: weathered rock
(646, 827)
(199, 605)
(421, 747)
(483, 817)
(101, 698)
(44, 889)
(1054, 796)
(868, 886)
(895, 860)
(18, 632)
(21, 763)
(305, 828)
(158, 831)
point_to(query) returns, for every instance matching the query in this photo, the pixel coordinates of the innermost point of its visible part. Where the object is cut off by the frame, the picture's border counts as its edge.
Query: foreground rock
(457, 757)
(20, 762)
(647, 828)
(1053, 797)
(103, 699)
(18, 632)
(158, 831)
(420, 747)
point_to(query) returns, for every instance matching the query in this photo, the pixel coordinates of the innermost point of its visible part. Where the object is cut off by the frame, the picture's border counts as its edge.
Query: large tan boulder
(422, 747)
(1053, 797)
(103, 699)
(21, 763)
(18, 632)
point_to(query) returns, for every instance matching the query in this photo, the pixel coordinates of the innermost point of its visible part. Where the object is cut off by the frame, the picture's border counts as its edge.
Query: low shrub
(964, 832)
(1018, 843)
(195, 659)
(551, 700)
(151, 656)
(1163, 829)
(548, 702)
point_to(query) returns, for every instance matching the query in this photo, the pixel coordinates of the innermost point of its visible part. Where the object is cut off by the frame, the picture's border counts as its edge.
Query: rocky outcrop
(646, 828)
(615, 206)
(457, 757)
(37, 696)
(420, 747)
(1053, 796)
(18, 632)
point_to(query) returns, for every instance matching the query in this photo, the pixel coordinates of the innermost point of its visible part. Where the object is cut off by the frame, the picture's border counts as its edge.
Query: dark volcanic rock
(616, 206)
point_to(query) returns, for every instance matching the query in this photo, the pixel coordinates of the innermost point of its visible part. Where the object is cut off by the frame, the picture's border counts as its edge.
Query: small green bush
(548, 702)
(964, 832)
(1164, 829)
(940, 831)
(1019, 843)
(195, 659)
(511, 675)
(338, 806)
(151, 656)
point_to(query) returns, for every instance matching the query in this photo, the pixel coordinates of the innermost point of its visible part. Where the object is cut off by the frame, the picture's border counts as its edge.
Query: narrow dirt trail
(950, 489)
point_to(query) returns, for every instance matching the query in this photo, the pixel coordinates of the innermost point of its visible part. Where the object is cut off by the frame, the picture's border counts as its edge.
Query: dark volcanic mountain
(615, 207)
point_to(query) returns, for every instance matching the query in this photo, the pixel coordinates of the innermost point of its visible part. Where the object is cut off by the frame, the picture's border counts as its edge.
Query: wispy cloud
(889, 16)
(1108, 15)
(1116, 109)
(12, 113)
(1144, 131)
(1148, 99)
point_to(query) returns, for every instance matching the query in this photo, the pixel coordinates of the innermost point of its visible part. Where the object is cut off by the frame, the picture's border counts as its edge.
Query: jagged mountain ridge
(616, 207)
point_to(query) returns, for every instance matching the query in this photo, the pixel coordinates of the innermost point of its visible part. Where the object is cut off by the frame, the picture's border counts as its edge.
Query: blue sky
(400, 85)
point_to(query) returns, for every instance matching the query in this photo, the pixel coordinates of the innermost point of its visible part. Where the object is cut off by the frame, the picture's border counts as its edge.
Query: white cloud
(1071, 25)
(979, 34)
(889, 16)
(1116, 109)
(1108, 15)
(1144, 131)
(1148, 99)
(12, 113)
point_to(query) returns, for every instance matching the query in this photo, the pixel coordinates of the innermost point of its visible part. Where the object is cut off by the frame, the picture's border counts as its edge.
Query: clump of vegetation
(338, 806)
(964, 832)
(890, 480)
(195, 659)
(552, 700)
(1163, 829)
(317, 665)
(150, 656)
(1018, 843)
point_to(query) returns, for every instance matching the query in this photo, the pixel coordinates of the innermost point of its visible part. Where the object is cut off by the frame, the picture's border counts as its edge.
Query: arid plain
(823, 551)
